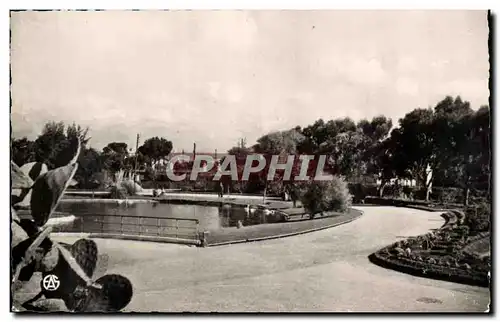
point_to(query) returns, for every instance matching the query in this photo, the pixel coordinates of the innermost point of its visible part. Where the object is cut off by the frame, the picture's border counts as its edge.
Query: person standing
(293, 195)
(221, 189)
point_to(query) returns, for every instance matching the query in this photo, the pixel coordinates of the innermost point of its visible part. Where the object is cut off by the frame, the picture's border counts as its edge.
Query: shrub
(275, 188)
(118, 192)
(478, 217)
(447, 195)
(390, 191)
(419, 194)
(124, 189)
(320, 196)
(399, 192)
(360, 191)
(409, 192)
(131, 187)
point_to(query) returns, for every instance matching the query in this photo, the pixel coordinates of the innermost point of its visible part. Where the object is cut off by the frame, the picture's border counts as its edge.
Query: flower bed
(438, 255)
(479, 245)
(414, 267)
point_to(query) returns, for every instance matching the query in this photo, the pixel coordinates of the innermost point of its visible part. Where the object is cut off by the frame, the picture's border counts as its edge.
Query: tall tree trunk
(467, 188)
(427, 192)
(466, 195)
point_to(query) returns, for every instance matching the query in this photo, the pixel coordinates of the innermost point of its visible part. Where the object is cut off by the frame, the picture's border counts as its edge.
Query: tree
(321, 133)
(417, 153)
(374, 132)
(377, 149)
(90, 165)
(483, 125)
(468, 148)
(56, 145)
(116, 147)
(450, 141)
(240, 152)
(315, 135)
(114, 156)
(50, 143)
(381, 163)
(449, 127)
(344, 153)
(342, 141)
(156, 148)
(22, 151)
(75, 131)
(282, 143)
(377, 129)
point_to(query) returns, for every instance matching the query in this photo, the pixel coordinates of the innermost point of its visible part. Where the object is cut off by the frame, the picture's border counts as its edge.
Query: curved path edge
(294, 233)
(427, 271)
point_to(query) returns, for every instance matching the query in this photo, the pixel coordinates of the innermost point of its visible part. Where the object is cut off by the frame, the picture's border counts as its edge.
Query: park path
(326, 270)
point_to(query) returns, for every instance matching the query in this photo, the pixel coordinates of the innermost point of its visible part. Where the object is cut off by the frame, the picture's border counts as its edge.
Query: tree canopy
(448, 144)
(156, 148)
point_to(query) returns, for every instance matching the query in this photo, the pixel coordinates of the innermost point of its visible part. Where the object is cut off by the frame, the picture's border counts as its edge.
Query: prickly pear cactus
(48, 190)
(85, 253)
(114, 295)
(73, 265)
(18, 178)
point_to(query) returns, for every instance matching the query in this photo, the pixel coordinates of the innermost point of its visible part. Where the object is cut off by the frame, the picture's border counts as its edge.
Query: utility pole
(136, 154)
(242, 143)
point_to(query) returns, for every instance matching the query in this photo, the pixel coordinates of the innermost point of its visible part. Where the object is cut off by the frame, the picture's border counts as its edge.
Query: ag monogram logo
(51, 282)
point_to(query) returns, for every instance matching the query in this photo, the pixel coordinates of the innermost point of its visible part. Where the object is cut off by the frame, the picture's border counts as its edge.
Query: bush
(478, 217)
(275, 188)
(390, 191)
(409, 192)
(131, 187)
(397, 191)
(360, 191)
(118, 192)
(320, 196)
(447, 195)
(124, 189)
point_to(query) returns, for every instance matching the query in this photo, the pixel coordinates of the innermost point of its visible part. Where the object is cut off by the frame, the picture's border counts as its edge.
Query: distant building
(402, 182)
(164, 165)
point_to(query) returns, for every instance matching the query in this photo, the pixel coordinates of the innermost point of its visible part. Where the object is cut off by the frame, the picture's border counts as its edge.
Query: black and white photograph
(251, 161)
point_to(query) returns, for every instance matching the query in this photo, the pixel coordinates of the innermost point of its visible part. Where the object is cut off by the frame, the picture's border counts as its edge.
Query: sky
(213, 77)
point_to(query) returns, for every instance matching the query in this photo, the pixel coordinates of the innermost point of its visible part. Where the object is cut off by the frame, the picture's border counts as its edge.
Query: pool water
(210, 218)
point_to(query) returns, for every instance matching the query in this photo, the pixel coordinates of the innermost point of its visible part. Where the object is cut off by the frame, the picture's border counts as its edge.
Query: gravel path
(326, 270)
